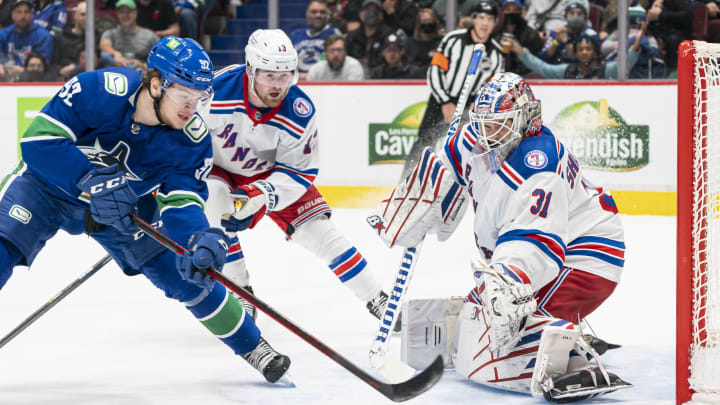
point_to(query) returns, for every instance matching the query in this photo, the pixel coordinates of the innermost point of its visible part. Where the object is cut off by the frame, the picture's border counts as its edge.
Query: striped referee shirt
(450, 63)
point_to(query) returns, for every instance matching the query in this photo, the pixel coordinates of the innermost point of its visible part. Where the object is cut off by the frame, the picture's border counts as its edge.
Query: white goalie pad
(428, 329)
(553, 355)
(514, 369)
(428, 200)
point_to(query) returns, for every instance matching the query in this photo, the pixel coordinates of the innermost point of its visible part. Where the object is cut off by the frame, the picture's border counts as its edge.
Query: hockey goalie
(551, 249)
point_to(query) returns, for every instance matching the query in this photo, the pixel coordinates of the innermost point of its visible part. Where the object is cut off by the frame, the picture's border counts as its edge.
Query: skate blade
(593, 392)
(286, 381)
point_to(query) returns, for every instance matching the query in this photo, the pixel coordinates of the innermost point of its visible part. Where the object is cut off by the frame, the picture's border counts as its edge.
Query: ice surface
(118, 341)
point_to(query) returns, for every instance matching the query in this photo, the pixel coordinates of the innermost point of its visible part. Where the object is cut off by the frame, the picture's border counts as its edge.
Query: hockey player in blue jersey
(116, 141)
(265, 140)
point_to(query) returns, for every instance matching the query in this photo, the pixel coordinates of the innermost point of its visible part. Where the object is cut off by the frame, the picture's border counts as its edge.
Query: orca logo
(119, 154)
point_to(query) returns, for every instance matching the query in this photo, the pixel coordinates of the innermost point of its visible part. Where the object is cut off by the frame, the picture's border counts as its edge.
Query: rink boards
(624, 135)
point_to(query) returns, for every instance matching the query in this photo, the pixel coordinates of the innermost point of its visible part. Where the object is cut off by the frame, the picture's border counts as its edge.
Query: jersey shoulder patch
(116, 83)
(537, 154)
(195, 128)
(297, 107)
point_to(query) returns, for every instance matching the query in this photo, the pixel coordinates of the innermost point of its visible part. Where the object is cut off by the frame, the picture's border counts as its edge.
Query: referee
(447, 73)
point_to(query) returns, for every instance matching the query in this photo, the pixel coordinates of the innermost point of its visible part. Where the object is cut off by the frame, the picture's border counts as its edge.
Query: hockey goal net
(698, 224)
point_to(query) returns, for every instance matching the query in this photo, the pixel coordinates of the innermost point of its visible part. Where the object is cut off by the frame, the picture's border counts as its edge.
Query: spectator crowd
(44, 40)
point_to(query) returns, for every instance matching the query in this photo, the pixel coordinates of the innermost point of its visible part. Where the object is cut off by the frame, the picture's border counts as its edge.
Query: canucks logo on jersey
(102, 158)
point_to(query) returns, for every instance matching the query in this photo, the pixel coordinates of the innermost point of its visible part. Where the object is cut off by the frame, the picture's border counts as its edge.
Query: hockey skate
(599, 345)
(269, 362)
(247, 306)
(582, 384)
(376, 306)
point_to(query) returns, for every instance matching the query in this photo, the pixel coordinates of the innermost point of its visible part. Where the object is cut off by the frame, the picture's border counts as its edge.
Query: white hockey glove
(427, 200)
(507, 300)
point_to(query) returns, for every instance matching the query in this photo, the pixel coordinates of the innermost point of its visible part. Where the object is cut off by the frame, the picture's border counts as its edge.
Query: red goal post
(698, 224)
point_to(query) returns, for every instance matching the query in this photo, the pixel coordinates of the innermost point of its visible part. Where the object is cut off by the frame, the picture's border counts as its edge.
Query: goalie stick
(392, 368)
(54, 300)
(396, 392)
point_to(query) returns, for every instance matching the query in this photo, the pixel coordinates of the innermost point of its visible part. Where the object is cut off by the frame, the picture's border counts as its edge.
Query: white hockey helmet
(270, 50)
(505, 110)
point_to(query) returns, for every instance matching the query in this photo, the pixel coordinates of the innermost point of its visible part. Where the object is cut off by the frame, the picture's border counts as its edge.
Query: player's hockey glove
(111, 198)
(206, 249)
(251, 203)
(508, 299)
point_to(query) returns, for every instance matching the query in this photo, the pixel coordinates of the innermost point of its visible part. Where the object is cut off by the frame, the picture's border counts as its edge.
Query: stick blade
(415, 386)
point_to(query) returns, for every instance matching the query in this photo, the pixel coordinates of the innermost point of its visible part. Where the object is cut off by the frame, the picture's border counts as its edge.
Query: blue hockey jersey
(16, 45)
(52, 17)
(89, 121)
(310, 47)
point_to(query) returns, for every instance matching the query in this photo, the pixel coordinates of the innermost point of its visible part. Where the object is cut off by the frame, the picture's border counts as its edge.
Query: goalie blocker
(428, 200)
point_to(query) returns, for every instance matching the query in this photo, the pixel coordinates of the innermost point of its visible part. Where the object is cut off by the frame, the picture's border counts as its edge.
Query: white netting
(705, 349)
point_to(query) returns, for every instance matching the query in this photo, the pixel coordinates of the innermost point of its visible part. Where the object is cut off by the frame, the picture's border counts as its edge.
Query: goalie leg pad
(321, 237)
(514, 370)
(428, 199)
(428, 329)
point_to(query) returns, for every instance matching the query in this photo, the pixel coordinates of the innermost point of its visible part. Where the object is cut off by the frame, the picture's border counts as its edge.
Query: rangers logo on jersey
(302, 107)
(536, 159)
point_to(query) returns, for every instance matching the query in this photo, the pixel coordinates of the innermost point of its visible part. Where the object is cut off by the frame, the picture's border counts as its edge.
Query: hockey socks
(224, 316)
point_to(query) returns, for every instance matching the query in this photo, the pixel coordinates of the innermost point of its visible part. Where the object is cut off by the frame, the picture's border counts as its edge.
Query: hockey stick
(392, 368)
(54, 300)
(396, 392)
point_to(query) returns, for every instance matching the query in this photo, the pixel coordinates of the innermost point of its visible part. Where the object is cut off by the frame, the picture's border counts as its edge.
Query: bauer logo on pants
(20, 213)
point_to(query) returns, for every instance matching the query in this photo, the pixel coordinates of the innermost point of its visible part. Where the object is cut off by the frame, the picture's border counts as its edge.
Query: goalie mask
(271, 51)
(504, 112)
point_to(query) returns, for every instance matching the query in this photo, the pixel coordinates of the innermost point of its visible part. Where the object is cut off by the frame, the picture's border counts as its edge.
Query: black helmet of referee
(487, 7)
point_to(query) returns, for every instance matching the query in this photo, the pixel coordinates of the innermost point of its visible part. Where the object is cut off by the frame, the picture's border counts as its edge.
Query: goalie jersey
(89, 122)
(535, 209)
(248, 142)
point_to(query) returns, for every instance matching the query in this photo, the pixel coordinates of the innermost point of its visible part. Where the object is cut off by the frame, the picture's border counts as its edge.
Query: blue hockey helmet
(505, 110)
(181, 61)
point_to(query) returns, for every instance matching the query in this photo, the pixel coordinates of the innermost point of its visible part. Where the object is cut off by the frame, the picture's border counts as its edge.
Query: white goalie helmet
(505, 110)
(271, 50)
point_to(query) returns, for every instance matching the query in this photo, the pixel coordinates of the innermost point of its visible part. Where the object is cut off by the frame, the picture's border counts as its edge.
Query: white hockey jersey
(535, 210)
(247, 141)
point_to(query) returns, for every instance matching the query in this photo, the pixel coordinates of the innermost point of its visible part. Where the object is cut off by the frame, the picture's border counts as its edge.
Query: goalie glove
(508, 299)
(251, 203)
